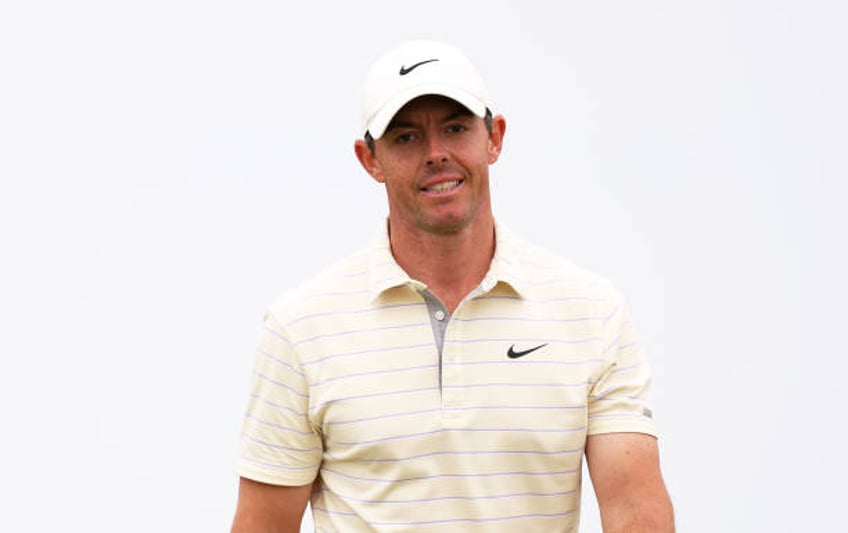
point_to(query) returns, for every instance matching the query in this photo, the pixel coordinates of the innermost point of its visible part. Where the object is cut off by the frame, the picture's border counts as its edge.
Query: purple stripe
(353, 313)
(460, 409)
(277, 446)
(357, 331)
(627, 346)
(277, 406)
(453, 498)
(481, 520)
(610, 345)
(519, 319)
(523, 362)
(601, 397)
(626, 368)
(280, 361)
(375, 395)
(532, 385)
(374, 372)
(451, 430)
(277, 426)
(276, 334)
(549, 300)
(279, 384)
(373, 350)
(516, 340)
(452, 520)
(471, 453)
(451, 476)
(614, 312)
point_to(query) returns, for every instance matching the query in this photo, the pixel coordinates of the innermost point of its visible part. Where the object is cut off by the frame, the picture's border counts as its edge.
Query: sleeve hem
(287, 479)
(633, 427)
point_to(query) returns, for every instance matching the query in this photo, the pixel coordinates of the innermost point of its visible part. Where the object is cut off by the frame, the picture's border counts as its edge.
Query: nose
(436, 150)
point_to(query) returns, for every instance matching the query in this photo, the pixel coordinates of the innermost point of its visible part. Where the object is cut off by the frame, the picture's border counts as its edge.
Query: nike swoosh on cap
(406, 70)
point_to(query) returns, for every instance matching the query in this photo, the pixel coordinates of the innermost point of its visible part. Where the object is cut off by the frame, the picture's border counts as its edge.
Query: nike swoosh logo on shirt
(512, 354)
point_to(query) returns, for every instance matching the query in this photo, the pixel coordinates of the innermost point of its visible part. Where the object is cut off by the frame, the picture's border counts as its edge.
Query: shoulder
(546, 274)
(342, 284)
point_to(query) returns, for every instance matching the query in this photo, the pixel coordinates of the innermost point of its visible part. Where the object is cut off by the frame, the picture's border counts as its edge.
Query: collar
(386, 274)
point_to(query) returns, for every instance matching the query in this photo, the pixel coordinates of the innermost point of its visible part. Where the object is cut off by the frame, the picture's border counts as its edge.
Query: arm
(625, 472)
(264, 508)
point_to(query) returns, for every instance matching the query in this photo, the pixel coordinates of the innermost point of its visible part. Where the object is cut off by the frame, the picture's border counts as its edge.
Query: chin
(446, 225)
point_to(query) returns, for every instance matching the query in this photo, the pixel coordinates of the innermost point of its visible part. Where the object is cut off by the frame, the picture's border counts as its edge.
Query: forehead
(440, 106)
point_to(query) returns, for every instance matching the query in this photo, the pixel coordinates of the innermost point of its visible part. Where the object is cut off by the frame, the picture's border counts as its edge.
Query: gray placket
(439, 318)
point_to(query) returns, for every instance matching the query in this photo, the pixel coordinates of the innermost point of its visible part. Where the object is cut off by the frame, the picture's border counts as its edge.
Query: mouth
(444, 186)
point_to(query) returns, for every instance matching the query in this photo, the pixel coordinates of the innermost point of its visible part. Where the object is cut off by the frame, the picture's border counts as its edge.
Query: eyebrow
(459, 112)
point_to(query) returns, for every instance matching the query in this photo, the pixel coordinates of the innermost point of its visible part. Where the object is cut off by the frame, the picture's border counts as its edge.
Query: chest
(511, 375)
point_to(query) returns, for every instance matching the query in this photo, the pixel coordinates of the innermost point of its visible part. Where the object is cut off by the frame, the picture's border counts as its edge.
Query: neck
(451, 265)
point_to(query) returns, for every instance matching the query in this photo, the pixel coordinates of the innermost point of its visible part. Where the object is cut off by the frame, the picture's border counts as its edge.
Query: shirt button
(440, 315)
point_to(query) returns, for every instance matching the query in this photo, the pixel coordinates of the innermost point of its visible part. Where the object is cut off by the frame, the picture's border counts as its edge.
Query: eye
(404, 138)
(456, 128)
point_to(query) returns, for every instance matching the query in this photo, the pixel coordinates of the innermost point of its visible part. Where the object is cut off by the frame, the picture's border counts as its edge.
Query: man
(451, 377)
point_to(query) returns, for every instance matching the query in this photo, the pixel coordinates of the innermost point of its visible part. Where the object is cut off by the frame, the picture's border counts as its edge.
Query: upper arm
(264, 508)
(628, 484)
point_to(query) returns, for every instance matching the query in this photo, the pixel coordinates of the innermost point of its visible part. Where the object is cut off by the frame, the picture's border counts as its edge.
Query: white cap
(413, 69)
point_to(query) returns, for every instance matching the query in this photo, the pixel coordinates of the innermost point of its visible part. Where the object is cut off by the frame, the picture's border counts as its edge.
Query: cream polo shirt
(350, 392)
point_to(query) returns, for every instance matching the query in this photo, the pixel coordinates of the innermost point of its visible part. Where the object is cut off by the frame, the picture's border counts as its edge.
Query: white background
(170, 167)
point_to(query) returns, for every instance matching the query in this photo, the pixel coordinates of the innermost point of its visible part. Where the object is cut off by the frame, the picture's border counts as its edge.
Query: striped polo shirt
(350, 391)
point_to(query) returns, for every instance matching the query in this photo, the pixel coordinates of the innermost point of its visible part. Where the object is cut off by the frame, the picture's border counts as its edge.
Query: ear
(368, 160)
(496, 137)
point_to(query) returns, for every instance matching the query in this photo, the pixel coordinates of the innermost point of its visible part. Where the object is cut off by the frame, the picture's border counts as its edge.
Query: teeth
(444, 186)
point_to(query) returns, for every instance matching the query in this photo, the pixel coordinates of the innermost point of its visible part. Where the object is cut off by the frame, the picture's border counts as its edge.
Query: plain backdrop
(170, 167)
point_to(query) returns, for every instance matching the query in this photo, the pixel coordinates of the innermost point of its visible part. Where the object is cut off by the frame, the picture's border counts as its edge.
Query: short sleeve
(618, 401)
(279, 444)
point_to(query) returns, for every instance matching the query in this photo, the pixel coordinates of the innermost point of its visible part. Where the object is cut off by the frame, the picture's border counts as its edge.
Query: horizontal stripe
(277, 334)
(263, 377)
(454, 520)
(258, 420)
(524, 362)
(375, 395)
(561, 299)
(457, 520)
(474, 453)
(530, 385)
(374, 373)
(450, 476)
(452, 498)
(366, 352)
(460, 409)
(277, 406)
(277, 446)
(458, 430)
(280, 362)
(359, 331)
(529, 320)
(627, 368)
(354, 312)
(510, 340)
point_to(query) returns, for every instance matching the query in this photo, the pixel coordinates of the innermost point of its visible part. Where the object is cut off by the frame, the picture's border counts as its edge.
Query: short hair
(487, 120)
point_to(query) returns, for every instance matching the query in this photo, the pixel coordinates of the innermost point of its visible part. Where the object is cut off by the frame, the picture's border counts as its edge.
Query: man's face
(434, 160)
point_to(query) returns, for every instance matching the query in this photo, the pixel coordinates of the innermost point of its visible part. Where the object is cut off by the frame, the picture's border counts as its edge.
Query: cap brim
(381, 119)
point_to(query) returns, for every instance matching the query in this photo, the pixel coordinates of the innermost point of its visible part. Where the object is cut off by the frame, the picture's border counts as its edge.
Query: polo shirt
(350, 391)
